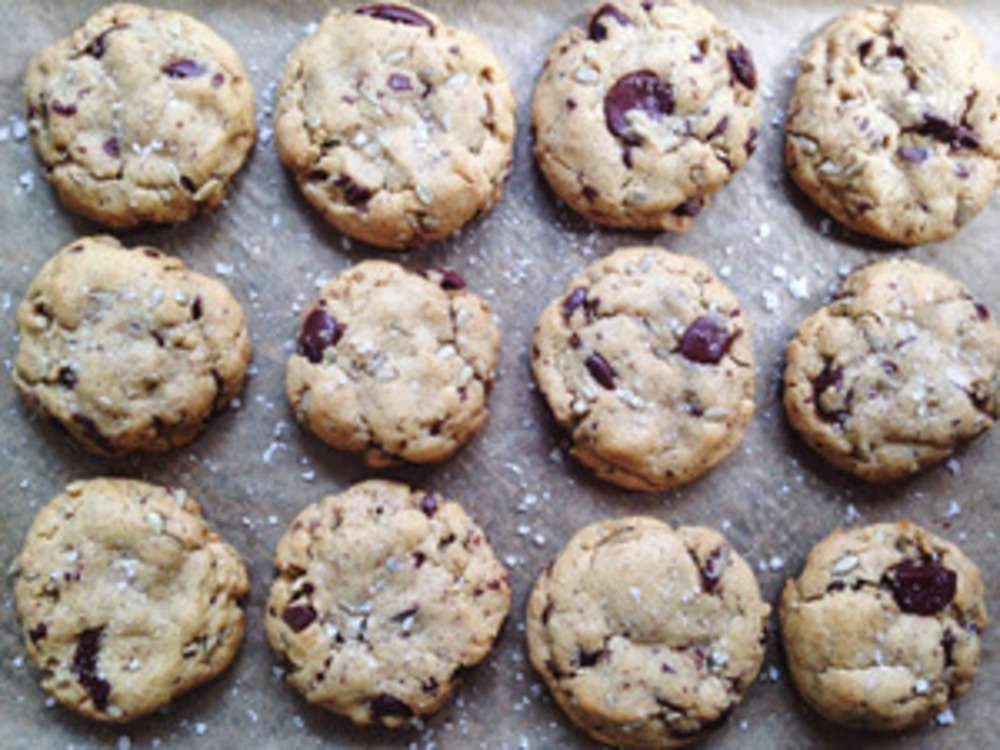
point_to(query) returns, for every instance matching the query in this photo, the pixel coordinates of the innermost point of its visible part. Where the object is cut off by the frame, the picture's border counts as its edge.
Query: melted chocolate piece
(85, 667)
(922, 587)
(396, 14)
(184, 68)
(707, 340)
(598, 30)
(299, 617)
(741, 64)
(601, 370)
(320, 331)
(641, 91)
(389, 705)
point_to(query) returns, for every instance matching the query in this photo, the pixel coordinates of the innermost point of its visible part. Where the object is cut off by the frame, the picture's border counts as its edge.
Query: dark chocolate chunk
(922, 587)
(111, 147)
(712, 568)
(589, 658)
(641, 91)
(601, 370)
(429, 504)
(741, 63)
(299, 616)
(355, 194)
(690, 208)
(320, 331)
(66, 110)
(38, 632)
(396, 14)
(99, 44)
(389, 705)
(957, 136)
(66, 377)
(184, 68)
(598, 30)
(707, 340)
(88, 645)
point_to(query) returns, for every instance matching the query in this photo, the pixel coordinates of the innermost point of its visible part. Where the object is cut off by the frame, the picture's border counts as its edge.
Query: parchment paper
(254, 469)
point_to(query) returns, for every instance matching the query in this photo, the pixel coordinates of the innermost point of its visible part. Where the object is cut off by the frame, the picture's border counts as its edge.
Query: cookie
(894, 123)
(895, 373)
(643, 115)
(394, 365)
(882, 628)
(383, 593)
(126, 599)
(140, 115)
(646, 361)
(127, 349)
(398, 129)
(647, 637)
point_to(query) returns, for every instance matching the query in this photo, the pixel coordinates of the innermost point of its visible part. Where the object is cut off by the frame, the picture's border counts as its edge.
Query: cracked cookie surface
(882, 628)
(641, 117)
(394, 365)
(126, 599)
(141, 115)
(647, 361)
(894, 374)
(894, 124)
(647, 636)
(127, 349)
(398, 128)
(383, 594)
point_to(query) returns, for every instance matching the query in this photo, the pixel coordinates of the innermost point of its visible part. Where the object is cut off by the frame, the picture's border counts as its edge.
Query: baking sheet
(254, 469)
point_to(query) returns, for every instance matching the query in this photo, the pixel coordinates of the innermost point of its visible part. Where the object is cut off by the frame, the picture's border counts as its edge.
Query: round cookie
(641, 117)
(126, 599)
(895, 373)
(127, 349)
(882, 627)
(398, 128)
(383, 593)
(647, 362)
(140, 115)
(894, 123)
(394, 365)
(647, 637)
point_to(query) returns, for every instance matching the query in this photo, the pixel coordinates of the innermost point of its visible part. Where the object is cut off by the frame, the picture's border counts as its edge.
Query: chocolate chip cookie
(643, 115)
(895, 373)
(647, 361)
(140, 115)
(394, 365)
(647, 637)
(894, 124)
(882, 628)
(126, 598)
(127, 349)
(398, 128)
(383, 593)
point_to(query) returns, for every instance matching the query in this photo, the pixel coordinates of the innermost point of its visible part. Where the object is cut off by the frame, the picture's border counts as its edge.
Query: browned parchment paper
(254, 469)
